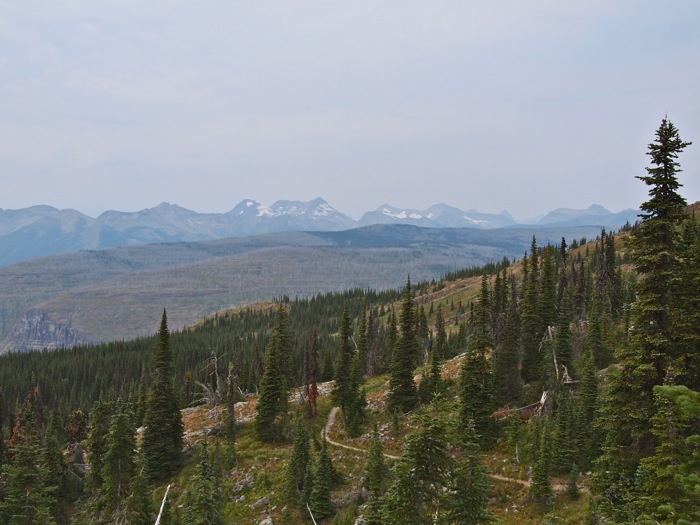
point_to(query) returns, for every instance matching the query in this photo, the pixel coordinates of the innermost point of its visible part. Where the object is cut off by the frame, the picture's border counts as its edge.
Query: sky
(508, 105)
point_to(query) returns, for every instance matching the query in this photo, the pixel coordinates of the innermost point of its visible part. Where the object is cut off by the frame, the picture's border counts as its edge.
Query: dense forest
(578, 364)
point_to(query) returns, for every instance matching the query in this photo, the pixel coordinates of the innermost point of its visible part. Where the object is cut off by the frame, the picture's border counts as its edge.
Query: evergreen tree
(652, 351)
(271, 419)
(420, 477)
(312, 376)
(467, 503)
(162, 437)
(530, 323)
(375, 480)
(343, 394)
(27, 498)
(506, 360)
(57, 472)
(476, 378)
(298, 461)
(403, 395)
(139, 503)
(118, 463)
(320, 499)
(98, 426)
(541, 488)
(203, 501)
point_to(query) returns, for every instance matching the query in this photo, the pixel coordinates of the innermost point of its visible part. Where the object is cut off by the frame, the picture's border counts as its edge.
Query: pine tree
(468, 500)
(541, 488)
(506, 360)
(119, 463)
(162, 437)
(98, 426)
(403, 395)
(139, 503)
(420, 477)
(298, 461)
(652, 350)
(343, 394)
(27, 498)
(476, 378)
(375, 480)
(203, 501)
(530, 322)
(271, 419)
(312, 376)
(57, 471)
(320, 499)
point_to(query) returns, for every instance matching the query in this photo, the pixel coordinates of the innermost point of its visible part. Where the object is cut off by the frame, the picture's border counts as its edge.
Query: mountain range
(42, 230)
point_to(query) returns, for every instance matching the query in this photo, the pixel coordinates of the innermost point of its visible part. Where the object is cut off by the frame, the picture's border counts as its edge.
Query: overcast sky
(517, 105)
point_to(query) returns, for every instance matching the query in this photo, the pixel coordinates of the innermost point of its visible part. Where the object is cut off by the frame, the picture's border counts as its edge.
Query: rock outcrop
(36, 331)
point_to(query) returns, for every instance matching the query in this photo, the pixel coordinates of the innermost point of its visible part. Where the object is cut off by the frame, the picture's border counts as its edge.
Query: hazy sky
(517, 105)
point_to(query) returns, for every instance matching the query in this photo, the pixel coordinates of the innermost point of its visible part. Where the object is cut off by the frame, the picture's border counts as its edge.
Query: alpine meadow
(561, 387)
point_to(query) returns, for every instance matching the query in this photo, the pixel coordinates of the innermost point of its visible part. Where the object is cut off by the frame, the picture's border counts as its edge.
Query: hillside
(118, 294)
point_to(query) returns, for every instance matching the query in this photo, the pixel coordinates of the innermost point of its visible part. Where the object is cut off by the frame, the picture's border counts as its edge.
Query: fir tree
(541, 488)
(118, 463)
(403, 395)
(467, 503)
(343, 394)
(320, 498)
(298, 461)
(139, 503)
(644, 363)
(27, 498)
(203, 501)
(271, 419)
(375, 480)
(98, 426)
(312, 376)
(162, 437)
(420, 477)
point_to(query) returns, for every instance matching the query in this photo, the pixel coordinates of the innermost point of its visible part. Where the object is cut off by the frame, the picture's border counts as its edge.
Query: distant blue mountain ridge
(42, 230)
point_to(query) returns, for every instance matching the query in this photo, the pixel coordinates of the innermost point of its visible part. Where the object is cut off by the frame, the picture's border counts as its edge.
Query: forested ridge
(577, 377)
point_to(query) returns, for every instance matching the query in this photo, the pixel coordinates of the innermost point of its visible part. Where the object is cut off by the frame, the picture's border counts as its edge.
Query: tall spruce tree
(298, 462)
(119, 462)
(271, 419)
(162, 437)
(651, 353)
(403, 395)
(343, 392)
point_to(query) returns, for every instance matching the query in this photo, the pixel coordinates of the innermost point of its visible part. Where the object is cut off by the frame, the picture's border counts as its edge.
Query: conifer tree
(57, 471)
(652, 351)
(476, 377)
(162, 437)
(98, 427)
(320, 499)
(541, 488)
(27, 498)
(343, 394)
(312, 376)
(271, 419)
(118, 463)
(530, 323)
(375, 480)
(403, 395)
(467, 503)
(139, 503)
(506, 360)
(203, 501)
(421, 476)
(298, 461)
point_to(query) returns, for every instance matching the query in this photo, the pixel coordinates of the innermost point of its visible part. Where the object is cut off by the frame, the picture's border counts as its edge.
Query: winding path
(331, 421)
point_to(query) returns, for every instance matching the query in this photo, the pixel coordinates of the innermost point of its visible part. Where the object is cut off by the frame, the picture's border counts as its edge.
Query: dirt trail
(331, 421)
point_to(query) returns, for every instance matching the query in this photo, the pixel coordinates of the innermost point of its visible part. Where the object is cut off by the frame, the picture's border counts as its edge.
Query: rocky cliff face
(36, 331)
